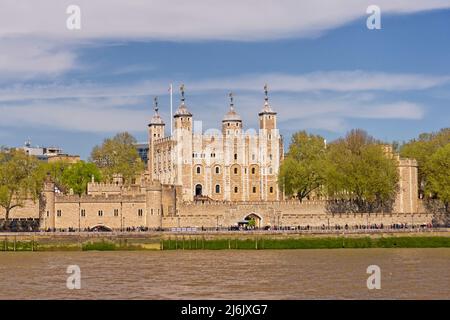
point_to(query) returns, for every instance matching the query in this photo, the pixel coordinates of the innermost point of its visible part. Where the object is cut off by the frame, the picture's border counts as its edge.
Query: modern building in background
(48, 154)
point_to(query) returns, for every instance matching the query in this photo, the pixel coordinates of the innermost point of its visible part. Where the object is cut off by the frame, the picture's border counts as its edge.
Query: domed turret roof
(232, 115)
(156, 119)
(267, 109)
(182, 109)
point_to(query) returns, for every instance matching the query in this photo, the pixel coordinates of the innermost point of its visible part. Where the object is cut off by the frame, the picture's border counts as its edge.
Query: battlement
(164, 140)
(60, 198)
(406, 162)
(102, 187)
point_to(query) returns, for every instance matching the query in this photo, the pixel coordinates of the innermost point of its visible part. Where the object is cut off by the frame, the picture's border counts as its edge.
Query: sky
(326, 71)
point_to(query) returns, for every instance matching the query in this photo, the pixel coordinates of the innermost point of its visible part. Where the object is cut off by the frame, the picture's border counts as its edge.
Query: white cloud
(344, 82)
(121, 113)
(196, 19)
(75, 115)
(27, 58)
(35, 40)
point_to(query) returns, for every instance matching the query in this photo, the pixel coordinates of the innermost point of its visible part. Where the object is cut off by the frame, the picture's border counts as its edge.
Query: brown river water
(228, 274)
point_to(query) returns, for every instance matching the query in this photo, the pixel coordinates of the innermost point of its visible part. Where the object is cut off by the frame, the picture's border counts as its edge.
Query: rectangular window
(100, 213)
(140, 212)
(116, 212)
(254, 189)
(58, 213)
(83, 212)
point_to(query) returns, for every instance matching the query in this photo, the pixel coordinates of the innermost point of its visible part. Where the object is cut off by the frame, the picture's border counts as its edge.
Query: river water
(228, 274)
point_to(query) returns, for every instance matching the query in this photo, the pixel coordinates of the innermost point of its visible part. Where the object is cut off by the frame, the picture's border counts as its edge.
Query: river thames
(228, 274)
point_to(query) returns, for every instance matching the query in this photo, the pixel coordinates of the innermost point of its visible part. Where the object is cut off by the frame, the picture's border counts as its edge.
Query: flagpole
(171, 111)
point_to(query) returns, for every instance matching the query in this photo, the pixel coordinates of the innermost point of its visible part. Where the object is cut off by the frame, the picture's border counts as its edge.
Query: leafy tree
(118, 155)
(358, 171)
(77, 176)
(55, 171)
(19, 179)
(422, 149)
(301, 170)
(438, 175)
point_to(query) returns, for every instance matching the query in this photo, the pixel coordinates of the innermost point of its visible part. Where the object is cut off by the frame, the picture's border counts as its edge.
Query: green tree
(118, 155)
(55, 171)
(422, 149)
(359, 171)
(301, 171)
(77, 176)
(19, 179)
(438, 175)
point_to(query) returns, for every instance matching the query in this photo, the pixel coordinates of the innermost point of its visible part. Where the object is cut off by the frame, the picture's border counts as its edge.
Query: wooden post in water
(256, 243)
(15, 239)
(229, 244)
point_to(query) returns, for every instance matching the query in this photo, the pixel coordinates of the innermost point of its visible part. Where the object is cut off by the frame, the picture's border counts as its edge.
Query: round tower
(48, 216)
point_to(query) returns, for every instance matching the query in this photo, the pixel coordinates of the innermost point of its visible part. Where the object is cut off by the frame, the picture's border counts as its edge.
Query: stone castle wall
(118, 212)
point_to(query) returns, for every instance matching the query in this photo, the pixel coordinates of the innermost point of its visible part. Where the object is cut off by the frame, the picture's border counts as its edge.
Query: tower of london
(231, 164)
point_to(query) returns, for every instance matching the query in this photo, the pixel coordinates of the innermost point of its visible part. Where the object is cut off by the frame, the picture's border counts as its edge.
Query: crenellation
(212, 179)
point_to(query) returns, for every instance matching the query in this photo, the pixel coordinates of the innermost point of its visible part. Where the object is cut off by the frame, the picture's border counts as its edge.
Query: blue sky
(327, 73)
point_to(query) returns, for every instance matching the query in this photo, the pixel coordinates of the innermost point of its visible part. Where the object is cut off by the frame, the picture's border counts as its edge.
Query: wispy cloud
(334, 81)
(120, 113)
(35, 39)
(27, 58)
(194, 20)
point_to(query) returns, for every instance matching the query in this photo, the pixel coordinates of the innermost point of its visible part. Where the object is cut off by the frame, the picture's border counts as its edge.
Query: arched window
(236, 189)
(253, 171)
(217, 170)
(217, 188)
(235, 170)
(235, 156)
(271, 189)
(198, 170)
(254, 189)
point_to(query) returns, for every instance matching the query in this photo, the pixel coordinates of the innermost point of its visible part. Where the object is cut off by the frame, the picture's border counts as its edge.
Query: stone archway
(101, 228)
(198, 190)
(256, 217)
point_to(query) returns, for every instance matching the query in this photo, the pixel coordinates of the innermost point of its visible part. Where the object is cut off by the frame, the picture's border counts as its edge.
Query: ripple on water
(231, 274)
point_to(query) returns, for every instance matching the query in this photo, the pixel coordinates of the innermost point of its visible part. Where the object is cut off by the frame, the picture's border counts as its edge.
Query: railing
(314, 230)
